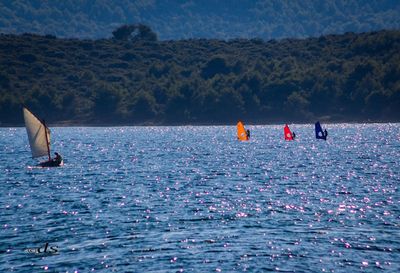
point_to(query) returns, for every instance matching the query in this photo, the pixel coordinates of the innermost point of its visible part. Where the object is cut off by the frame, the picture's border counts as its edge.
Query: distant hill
(215, 19)
(349, 77)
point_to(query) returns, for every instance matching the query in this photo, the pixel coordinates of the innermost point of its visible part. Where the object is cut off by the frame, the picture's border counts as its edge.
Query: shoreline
(195, 124)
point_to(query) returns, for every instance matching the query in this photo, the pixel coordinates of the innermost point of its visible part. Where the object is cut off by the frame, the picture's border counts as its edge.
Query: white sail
(38, 134)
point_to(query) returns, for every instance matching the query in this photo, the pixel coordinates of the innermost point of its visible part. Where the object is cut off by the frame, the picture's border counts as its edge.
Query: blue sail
(319, 134)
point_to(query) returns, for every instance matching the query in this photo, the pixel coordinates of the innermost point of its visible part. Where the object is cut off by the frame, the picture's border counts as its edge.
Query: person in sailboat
(248, 134)
(57, 159)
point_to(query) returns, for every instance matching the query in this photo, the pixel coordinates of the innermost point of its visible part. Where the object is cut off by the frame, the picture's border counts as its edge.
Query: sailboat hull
(50, 163)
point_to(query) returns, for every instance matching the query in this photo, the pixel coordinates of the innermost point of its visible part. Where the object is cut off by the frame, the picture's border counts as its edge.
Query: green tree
(134, 33)
(106, 100)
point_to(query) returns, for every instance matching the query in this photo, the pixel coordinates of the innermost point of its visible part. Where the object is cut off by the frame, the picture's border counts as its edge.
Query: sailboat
(242, 134)
(319, 134)
(288, 134)
(39, 139)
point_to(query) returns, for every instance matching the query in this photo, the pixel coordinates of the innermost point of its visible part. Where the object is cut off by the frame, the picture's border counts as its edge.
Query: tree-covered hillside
(135, 79)
(215, 19)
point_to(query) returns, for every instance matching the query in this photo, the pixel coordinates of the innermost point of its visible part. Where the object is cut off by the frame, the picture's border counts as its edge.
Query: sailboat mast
(47, 139)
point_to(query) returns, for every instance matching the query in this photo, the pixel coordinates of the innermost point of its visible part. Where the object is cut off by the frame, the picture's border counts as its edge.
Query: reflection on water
(166, 199)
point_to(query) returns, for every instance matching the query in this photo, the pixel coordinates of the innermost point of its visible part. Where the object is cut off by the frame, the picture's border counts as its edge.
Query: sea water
(194, 199)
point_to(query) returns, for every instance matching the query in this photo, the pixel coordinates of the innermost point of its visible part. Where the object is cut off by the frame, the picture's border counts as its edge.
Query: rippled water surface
(193, 199)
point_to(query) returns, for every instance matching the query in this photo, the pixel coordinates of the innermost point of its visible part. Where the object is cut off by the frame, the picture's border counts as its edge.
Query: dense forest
(177, 19)
(133, 78)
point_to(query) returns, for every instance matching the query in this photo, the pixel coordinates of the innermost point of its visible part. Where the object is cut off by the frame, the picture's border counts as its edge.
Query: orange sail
(288, 133)
(241, 132)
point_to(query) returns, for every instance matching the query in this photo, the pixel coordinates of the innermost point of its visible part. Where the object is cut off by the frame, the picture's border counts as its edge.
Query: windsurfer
(248, 134)
(293, 135)
(325, 134)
